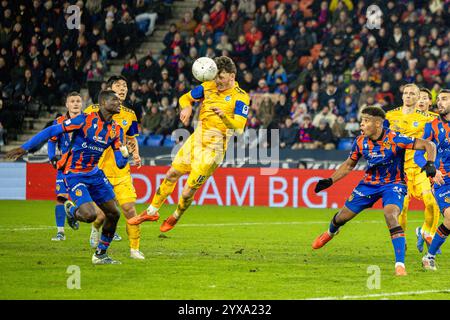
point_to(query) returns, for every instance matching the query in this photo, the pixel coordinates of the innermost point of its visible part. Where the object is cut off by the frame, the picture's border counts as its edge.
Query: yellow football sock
(403, 217)
(183, 205)
(431, 214)
(134, 236)
(164, 190)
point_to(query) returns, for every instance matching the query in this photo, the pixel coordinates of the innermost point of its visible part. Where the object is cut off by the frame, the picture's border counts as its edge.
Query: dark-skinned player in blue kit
(384, 151)
(92, 135)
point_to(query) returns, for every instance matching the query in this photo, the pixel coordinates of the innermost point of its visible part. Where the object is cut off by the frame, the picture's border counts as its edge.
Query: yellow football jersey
(411, 125)
(127, 120)
(233, 102)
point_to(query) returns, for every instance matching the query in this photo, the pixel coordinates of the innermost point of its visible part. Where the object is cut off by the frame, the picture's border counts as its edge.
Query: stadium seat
(168, 142)
(345, 144)
(141, 139)
(154, 140)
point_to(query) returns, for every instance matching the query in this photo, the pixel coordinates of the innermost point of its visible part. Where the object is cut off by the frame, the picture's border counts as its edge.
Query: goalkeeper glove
(323, 184)
(429, 168)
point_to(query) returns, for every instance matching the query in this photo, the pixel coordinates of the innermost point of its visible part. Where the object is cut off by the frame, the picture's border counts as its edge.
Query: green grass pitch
(215, 253)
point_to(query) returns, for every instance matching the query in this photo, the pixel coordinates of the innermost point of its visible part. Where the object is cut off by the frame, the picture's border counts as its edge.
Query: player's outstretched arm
(133, 147)
(121, 157)
(40, 137)
(340, 173)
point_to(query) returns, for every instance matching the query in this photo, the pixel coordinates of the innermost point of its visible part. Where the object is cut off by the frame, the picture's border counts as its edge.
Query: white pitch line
(379, 295)
(31, 228)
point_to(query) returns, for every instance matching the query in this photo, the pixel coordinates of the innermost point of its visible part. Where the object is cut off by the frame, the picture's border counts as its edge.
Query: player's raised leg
(185, 201)
(164, 190)
(339, 219)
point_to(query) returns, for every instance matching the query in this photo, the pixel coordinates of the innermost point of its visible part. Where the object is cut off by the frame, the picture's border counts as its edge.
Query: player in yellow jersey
(121, 178)
(223, 111)
(410, 121)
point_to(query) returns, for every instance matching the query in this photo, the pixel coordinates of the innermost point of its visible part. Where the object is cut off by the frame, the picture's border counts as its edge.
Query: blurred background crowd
(309, 66)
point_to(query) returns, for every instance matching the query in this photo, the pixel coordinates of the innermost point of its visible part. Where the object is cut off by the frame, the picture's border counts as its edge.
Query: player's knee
(172, 175)
(89, 215)
(113, 214)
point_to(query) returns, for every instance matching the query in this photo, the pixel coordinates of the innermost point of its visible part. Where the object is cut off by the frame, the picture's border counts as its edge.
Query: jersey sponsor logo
(78, 193)
(67, 122)
(58, 187)
(387, 144)
(415, 124)
(444, 194)
(447, 199)
(124, 122)
(245, 109)
(227, 98)
(84, 145)
(399, 191)
(352, 196)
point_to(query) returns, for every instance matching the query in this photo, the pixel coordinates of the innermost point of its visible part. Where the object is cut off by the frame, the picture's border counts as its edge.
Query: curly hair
(225, 64)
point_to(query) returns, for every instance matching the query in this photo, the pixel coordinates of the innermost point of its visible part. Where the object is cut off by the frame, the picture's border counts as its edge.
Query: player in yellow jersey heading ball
(224, 110)
(121, 178)
(410, 121)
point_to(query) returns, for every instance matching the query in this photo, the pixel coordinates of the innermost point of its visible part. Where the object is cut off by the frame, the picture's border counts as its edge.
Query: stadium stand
(298, 59)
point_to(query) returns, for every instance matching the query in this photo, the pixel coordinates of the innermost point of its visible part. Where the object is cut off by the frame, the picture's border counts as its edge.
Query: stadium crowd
(310, 66)
(41, 59)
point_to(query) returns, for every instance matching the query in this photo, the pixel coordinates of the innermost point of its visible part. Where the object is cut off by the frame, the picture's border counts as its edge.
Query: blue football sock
(438, 240)
(60, 215)
(334, 225)
(103, 244)
(398, 241)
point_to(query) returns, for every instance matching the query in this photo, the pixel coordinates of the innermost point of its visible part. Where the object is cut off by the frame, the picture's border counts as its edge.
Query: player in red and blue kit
(74, 106)
(438, 131)
(384, 151)
(92, 135)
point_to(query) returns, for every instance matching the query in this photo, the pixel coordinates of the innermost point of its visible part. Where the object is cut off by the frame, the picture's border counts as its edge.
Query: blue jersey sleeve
(355, 153)
(51, 149)
(42, 136)
(133, 130)
(241, 109)
(76, 123)
(404, 142)
(419, 156)
(386, 123)
(197, 92)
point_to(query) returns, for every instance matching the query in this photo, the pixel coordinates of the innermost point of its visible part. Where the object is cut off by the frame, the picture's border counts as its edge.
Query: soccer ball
(204, 69)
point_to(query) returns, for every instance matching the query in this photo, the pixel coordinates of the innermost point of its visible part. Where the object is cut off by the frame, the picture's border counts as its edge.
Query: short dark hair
(72, 94)
(225, 63)
(105, 95)
(114, 79)
(374, 112)
(422, 89)
(444, 91)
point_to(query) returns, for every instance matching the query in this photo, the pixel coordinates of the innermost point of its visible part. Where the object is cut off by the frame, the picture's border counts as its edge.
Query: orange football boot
(400, 271)
(144, 216)
(321, 240)
(168, 224)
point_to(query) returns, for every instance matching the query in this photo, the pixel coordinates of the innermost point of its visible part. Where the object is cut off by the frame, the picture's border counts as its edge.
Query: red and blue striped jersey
(92, 136)
(63, 140)
(438, 131)
(385, 157)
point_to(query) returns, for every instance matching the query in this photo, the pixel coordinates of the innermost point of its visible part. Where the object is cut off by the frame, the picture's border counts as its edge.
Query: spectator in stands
(288, 134)
(187, 25)
(218, 16)
(338, 128)
(152, 119)
(131, 69)
(352, 128)
(48, 90)
(168, 122)
(266, 111)
(323, 136)
(326, 115)
(94, 69)
(348, 108)
(305, 133)
(234, 27)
